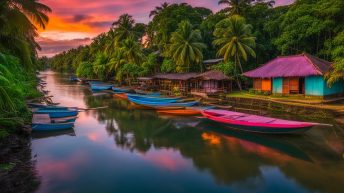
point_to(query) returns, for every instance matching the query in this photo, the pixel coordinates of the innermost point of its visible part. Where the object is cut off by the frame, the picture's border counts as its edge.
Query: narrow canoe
(185, 112)
(121, 95)
(255, 123)
(119, 90)
(51, 126)
(150, 98)
(147, 107)
(58, 113)
(190, 111)
(39, 105)
(150, 103)
(101, 86)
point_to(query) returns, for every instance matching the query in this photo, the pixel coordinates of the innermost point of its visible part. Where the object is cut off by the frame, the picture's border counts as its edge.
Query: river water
(121, 149)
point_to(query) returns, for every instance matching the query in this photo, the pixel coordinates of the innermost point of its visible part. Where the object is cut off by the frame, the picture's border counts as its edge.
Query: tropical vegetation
(19, 21)
(246, 33)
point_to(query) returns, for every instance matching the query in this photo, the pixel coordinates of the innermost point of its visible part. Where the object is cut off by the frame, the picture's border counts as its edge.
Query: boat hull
(58, 114)
(51, 126)
(150, 98)
(155, 104)
(277, 126)
(121, 95)
(100, 87)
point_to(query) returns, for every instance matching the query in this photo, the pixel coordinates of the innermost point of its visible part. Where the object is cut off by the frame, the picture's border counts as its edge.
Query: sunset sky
(76, 22)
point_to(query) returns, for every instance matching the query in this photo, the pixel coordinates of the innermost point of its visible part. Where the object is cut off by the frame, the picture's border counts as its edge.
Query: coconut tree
(186, 47)
(235, 40)
(158, 9)
(234, 6)
(131, 51)
(18, 19)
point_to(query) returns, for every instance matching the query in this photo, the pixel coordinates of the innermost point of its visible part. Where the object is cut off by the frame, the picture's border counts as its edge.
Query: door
(286, 88)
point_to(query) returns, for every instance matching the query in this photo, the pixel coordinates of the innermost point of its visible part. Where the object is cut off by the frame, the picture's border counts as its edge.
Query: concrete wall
(277, 85)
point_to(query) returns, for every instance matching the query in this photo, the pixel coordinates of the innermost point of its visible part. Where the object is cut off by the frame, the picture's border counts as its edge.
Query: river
(122, 149)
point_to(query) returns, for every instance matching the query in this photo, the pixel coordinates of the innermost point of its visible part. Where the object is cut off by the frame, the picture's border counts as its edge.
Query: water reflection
(128, 150)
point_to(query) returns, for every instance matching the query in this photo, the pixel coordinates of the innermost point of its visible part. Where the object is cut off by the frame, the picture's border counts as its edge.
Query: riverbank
(17, 169)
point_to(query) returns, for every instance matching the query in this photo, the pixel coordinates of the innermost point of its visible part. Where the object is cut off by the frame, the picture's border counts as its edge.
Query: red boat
(258, 124)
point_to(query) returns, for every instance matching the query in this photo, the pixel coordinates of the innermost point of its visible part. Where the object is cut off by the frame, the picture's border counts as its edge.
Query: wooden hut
(211, 83)
(296, 74)
(171, 82)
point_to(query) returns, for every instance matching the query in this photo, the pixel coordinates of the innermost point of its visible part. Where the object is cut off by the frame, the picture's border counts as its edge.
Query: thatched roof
(291, 66)
(176, 76)
(213, 75)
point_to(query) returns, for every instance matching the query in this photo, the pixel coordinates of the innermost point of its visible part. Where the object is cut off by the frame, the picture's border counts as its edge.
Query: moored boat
(258, 124)
(43, 122)
(181, 112)
(101, 86)
(163, 103)
(51, 126)
(121, 95)
(57, 113)
(152, 98)
(120, 90)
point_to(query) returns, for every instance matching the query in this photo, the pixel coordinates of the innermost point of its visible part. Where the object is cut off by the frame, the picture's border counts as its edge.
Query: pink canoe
(255, 123)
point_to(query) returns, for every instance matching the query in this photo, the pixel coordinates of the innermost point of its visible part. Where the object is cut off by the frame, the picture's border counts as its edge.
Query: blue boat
(164, 103)
(57, 113)
(119, 90)
(52, 126)
(40, 105)
(101, 86)
(152, 98)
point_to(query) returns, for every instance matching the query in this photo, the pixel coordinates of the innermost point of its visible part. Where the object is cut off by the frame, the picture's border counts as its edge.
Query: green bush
(16, 85)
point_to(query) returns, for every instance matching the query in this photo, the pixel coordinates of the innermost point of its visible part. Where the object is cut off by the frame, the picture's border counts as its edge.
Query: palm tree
(123, 29)
(158, 10)
(186, 47)
(234, 37)
(17, 26)
(235, 6)
(131, 51)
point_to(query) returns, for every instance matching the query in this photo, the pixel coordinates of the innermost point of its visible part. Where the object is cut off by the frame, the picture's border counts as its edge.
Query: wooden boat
(39, 105)
(57, 113)
(189, 111)
(147, 107)
(51, 126)
(164, 103)
(120, 90)
(152, 98)
(258, 124)
(184, 112)
(43, 122)
(121, 95)
(101, 86)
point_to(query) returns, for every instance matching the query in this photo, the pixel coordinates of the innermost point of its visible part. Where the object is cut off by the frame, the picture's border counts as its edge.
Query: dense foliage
(247, 33)
(18, 28)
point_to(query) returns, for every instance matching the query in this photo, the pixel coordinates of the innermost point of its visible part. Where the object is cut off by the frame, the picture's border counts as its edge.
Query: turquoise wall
(277, 85)
(316, 86)
(336, 88)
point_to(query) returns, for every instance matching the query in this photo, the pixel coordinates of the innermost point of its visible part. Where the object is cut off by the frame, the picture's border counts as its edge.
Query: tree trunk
(237, 61)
